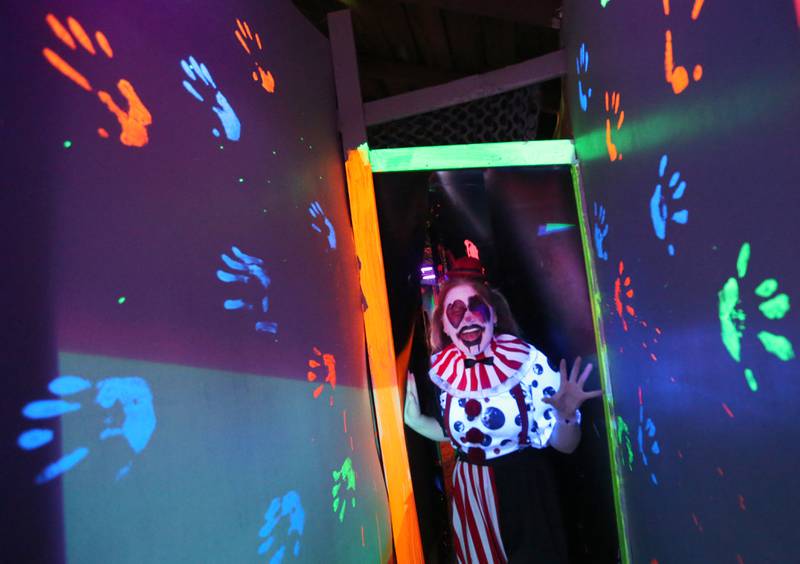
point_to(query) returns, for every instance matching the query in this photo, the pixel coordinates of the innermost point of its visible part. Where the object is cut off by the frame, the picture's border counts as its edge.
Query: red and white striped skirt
(476, 526)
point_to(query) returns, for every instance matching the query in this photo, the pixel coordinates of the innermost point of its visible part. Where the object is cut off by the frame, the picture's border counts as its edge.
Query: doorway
(524, 225)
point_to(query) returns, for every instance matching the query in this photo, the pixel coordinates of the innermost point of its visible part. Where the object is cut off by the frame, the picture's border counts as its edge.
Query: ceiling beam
(533, 12)
(420, 76)
(533, 71)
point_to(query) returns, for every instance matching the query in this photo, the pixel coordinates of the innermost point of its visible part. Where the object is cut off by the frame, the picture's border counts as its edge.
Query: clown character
(501, 405)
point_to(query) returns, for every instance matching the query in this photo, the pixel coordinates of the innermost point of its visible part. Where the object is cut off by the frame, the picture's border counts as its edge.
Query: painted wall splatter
(691, 204)
(197, 390)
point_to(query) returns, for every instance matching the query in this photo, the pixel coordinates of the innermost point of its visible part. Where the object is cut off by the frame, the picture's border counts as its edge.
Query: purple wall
(122, 272)
(692, 200)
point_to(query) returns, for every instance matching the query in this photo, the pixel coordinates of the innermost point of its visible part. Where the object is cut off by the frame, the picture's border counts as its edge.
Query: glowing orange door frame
(381, 354)
(377, 322)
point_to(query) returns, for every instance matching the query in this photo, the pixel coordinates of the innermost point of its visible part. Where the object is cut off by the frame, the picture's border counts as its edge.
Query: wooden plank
(417, 76)
(540, 69)
(533, 12)
(382, 360)
(466, 41)
(499, 43)
(428, 31)
(348, 87)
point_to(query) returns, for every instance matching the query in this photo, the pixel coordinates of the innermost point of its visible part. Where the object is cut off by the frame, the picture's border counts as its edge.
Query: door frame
(387, 383)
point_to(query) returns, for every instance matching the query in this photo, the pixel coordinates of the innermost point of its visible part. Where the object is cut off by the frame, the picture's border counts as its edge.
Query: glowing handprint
(732, 317)
(471, 249)
(330, 378)
(199, 73)
(658, 203)
(623, 294)
(582, 64)
(678, 76)
(624, 440)
(600, 230)
(280, 508)
(134, 120)
(315, 211)
(133, 395)
(246, 38)
(248, 268)
(646, 440)
(623, 290)
(612, 107)
(345, 477)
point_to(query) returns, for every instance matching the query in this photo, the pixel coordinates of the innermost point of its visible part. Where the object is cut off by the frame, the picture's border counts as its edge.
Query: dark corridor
(523, 223)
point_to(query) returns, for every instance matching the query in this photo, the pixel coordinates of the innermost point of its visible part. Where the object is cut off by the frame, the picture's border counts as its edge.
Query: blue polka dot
(486, 400)
(493, 418)
(517, 421)
(505, 442)
(534, 426)
(487, 440)
(537, 369)
(535, 384)
(549, 391)
(548, 413)
(458, 426)
(462, 402)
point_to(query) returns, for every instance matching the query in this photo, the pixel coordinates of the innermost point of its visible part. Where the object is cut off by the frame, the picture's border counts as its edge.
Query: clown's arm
(424, 425)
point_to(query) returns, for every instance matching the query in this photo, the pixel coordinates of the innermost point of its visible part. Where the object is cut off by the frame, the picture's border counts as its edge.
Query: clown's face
(468, 320)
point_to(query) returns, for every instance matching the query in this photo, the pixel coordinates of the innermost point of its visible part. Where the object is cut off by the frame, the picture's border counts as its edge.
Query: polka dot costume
(482, 425)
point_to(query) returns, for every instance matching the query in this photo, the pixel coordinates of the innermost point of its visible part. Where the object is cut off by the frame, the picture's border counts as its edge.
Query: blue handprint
(289, 506)
(658, 203)
(249, 268)
(600, 230)
(582, 64)
(315, 211)
(198, 71)
(646, 438)
(136, 401)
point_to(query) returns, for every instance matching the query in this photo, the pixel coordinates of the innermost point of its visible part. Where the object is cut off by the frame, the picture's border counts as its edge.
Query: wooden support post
(348, 87)
(377, 322)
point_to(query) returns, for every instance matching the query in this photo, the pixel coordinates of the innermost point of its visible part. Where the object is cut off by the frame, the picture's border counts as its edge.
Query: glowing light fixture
(550, 228)
(479, 155)
(427, 274)
(121, 300)
(67, 144)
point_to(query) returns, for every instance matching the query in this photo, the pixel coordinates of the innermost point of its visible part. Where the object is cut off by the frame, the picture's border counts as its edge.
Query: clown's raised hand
(570, 394)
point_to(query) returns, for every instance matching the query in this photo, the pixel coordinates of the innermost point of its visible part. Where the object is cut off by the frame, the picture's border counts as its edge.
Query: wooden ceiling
(405, 45)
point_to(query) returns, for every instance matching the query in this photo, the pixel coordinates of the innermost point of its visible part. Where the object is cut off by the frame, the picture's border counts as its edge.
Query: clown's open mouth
(471, 335)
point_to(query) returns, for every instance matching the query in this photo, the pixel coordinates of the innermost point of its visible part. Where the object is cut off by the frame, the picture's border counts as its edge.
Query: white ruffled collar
(510, 356)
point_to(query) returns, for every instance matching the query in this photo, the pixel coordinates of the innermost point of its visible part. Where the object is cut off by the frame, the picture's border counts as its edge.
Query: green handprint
(344, 477)
(732, 317)
(624, 439)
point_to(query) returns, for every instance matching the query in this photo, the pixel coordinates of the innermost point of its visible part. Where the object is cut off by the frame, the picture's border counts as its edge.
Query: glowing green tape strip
(479, 155)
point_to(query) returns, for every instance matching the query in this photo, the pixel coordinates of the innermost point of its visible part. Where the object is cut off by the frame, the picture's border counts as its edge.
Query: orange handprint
(622, 290)
(245, 36)
(133, 121)
(612, 106)
(678, 76)
(623, 294)
(330, 364)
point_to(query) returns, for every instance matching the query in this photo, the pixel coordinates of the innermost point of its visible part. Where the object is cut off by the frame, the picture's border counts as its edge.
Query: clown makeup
(470, 320)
